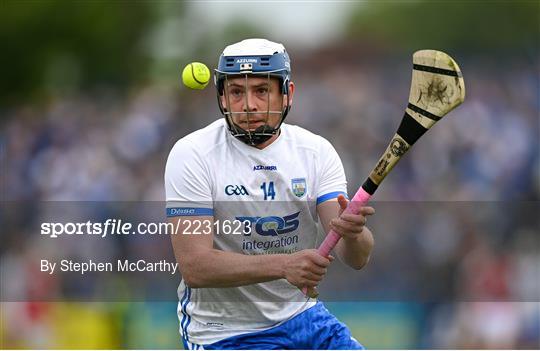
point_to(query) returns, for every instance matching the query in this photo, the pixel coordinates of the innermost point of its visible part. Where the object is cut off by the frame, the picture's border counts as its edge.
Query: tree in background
(468, 25)
(64, 46)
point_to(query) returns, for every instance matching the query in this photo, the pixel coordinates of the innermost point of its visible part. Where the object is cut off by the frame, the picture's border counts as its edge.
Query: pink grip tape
(360, 199)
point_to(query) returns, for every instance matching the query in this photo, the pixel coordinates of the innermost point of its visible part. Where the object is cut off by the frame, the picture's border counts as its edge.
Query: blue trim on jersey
(183, 304)
(189, 211)
(182, 310)
(188, 316)
(330, 196)
(191, 346)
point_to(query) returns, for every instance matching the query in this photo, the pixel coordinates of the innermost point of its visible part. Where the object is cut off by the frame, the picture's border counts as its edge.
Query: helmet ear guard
(253, 57)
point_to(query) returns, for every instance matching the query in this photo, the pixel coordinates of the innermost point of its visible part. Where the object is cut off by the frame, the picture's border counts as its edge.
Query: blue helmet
(253, 57)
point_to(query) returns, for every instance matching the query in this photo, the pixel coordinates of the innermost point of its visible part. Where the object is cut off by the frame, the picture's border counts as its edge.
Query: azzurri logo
(264, 168)
(246, 60)
(236, 190)
(273, 225)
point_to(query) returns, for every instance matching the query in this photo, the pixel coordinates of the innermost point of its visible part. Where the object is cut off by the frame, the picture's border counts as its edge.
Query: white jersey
(269, 199)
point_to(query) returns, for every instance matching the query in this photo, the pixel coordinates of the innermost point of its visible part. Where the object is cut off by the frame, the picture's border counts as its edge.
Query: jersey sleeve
(188, 189)
(332, 181)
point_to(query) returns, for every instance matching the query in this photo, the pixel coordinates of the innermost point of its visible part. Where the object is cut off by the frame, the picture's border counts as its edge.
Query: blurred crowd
(456, 228)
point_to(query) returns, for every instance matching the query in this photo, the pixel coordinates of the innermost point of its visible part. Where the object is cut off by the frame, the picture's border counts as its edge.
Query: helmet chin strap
(258, 136)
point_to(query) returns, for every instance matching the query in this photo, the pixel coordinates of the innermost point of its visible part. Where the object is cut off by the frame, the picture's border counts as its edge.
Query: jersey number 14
(268, 191)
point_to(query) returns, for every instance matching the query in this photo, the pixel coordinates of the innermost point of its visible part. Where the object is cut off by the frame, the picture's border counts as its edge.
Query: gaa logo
(231, 190)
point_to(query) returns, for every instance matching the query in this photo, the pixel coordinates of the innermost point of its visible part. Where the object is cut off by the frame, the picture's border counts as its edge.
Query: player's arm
(357, 240)
(356, 247)
(203, 266)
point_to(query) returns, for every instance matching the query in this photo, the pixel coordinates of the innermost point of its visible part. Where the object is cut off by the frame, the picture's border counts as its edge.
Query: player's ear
(290, 96)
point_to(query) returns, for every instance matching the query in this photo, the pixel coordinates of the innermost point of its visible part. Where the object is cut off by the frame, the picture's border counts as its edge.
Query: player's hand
(306, 268)
(349, 225)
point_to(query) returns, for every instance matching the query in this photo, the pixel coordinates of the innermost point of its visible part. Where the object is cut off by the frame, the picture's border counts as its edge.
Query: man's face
(262, 99)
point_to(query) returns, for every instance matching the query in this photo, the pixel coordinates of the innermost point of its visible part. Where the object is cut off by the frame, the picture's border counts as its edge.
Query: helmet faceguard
(253, 58)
